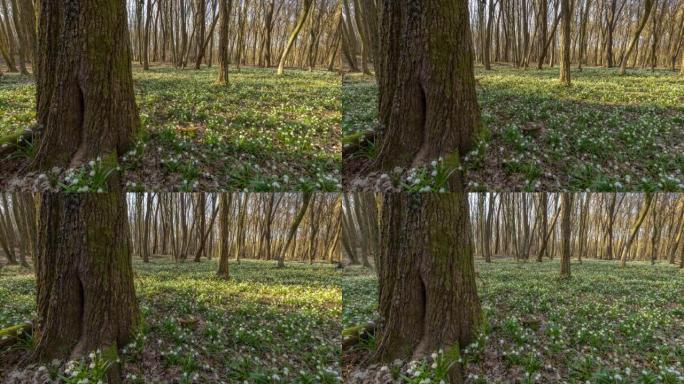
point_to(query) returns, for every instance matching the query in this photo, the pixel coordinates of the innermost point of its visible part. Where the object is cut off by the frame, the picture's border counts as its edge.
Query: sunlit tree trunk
(306, 7)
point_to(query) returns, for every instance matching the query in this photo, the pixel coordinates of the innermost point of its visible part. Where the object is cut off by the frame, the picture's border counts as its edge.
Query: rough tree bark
(85, 102)
(427, 102)
(83, 238)
(427, 293)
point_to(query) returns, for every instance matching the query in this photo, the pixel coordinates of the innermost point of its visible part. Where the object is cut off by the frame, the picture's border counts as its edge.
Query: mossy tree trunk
(85, 293)
(225, 200)
(427, 293)
(566, 234)
(427, 102)
(85, 102)
(225, 7)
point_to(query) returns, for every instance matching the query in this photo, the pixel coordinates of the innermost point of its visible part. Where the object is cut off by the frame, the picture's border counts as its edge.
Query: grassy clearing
(605, 325)
(265, 325)
(262, 133)
(604, 133)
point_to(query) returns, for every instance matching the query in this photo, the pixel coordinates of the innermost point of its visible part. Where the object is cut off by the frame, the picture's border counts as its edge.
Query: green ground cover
(265, 325)
(604, 133)
(262, 133)
(604, 325)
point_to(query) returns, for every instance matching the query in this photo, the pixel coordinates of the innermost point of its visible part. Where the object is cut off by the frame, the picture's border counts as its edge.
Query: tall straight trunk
(427, 102)
(306, 7)
(648, 4)
(224, 225)
(487, 61)
(583, 34)
(145, 246)
(225, 7)
(543, 212)
(566, 16)
(566, 234)
(21, 38)
(543, 25)
(426, 275)
(83, 237)
(200, 30)
(85, 102)
(146, 38)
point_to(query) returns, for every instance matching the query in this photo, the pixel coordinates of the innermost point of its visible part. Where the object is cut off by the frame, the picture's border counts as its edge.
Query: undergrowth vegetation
(604, 133)
(262, 132)
(604, 325)
(265, 325)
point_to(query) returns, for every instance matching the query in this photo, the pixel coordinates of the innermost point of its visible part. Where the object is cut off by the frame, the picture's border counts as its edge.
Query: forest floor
(265, 325)
(262, 133)
(604, 133)
(604, 325)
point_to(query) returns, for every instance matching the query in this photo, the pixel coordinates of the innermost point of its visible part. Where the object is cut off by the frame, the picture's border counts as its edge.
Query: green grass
(263, 132)
(604, 322)
(263, 322)
(604, 133)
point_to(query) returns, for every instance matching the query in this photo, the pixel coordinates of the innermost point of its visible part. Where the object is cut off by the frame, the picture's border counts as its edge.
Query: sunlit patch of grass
(263, 322)
(17, 103)
(605, 324)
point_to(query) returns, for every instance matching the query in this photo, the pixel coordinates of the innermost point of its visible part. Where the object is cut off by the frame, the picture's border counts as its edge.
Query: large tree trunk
(428, 107)
(85, 102)
(427, 293)
(85, 292)
(642, 23)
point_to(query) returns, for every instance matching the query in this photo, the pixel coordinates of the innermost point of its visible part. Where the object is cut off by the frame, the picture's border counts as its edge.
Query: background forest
(217, 301)
(572, 288)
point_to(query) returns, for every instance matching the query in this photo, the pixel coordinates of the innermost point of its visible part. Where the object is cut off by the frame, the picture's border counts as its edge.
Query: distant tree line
(622, 227)
(529, 33)
(191, 227)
